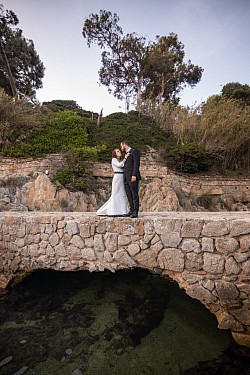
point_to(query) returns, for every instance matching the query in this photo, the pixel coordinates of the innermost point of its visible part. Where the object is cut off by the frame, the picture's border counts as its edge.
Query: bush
(188, 158)
(64, 131)
(140, 131)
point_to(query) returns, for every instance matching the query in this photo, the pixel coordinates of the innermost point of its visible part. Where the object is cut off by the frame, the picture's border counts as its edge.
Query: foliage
(64, 131)
(62, 105)
(235, 90)
(224, 130)
(133, 67)
(69, 105)
(188, 158)
(77, 176)
(165, 70)
(21, 70)
(141, 131)
(18, 119)
(220, 125)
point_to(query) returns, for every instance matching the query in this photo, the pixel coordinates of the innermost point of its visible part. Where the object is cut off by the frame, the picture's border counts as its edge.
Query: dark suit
(132, 168)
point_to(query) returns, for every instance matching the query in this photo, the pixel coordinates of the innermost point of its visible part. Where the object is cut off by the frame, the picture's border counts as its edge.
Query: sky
(215, 34)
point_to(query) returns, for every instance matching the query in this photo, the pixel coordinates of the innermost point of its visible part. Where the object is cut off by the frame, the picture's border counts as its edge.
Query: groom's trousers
(131, 189)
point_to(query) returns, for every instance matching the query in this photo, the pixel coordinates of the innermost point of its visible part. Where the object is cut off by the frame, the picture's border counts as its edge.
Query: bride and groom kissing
(125, 183)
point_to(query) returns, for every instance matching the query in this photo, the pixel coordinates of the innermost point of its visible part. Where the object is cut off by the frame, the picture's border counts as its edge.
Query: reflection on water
(131, 322)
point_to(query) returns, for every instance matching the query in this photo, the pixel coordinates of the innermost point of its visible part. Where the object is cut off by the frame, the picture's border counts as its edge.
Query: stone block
(232, 267)
(192, 278)
(245, 243)
(124, 240)
(107, 257)
(98, 242)
(129, 228)
(226, 245)
(191, 245)
(149, 227)
(54, 239)
(226, 290)
(171, 259)
(208, 284)
(227, 321)
(156, 247)
(122, 257)
(61, 224)
(60, 251)
(74, 252)
(193, 262)
(171, 239)
(133, 249)
(49, 229)
(246, 268)
(77, 241)
(147, 238)
(101, 226)
(191, 228)
(72, 228)
(215, 228)
(111, 241)
(213, 263)
(207, 244)
(155, 239)
(239, 227)
(200, 293)
(84, 230)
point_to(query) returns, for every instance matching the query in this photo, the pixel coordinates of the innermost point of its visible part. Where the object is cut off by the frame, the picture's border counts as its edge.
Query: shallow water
(130, 322)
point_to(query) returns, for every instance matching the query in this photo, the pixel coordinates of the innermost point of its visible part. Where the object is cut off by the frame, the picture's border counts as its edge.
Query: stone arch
(207, 254)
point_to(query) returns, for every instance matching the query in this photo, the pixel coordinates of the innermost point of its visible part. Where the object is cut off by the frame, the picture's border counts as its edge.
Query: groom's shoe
(134, 214)
(129, 213)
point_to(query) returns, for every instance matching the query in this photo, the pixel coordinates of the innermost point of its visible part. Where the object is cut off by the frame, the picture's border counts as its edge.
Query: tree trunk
(10, 76)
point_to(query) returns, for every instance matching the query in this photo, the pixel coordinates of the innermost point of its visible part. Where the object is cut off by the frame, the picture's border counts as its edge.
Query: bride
(117, 204)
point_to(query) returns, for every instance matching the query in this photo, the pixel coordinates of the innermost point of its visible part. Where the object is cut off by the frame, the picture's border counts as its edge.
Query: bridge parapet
(207, 254)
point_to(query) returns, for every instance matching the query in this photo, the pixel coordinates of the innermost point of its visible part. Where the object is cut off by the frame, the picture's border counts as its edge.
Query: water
(130, 322)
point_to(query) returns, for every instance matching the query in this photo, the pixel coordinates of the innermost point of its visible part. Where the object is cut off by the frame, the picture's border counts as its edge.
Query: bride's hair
(114, 154)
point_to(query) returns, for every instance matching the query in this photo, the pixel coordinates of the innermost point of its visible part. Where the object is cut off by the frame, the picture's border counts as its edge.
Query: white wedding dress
(117, 203)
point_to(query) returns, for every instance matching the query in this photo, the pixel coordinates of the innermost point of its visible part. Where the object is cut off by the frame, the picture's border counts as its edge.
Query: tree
(133, 67)
(167, 73)
(235, 90)
(62, 105)
(21, 70)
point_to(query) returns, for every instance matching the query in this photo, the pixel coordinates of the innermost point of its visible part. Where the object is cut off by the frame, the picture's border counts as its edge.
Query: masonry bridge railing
(207, 254)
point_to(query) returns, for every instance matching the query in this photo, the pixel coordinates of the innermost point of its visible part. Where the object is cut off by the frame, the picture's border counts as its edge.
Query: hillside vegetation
(212, 136)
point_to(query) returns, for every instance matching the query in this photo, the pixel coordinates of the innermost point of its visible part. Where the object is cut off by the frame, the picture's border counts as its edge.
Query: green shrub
(188, 158)
(64, 131)
(140, 131)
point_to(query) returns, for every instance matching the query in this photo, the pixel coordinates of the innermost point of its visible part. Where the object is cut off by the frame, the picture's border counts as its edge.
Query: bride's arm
(118, 163)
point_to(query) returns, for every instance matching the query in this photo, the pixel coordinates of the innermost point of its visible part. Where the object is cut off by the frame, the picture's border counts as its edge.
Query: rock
(171, 239)
(189, 245)
(21, 371)
(226, 245)
(122, 257)
(215, 228)
(171, 259)
(226, 290)
(158, 197)
(213, 263)
(5, 361)
(200, 293)
(68, 351)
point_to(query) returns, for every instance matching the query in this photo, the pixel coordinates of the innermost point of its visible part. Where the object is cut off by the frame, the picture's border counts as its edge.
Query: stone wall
(207, 254)
(232, 190)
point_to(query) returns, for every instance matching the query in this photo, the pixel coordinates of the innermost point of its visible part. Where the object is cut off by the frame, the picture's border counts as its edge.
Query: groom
(131, 177)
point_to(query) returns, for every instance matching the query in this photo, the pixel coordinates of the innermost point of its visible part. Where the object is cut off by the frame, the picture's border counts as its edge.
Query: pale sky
(215, 34)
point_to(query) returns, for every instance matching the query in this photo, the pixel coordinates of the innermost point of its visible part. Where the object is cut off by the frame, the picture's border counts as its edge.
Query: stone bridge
(207, 254)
